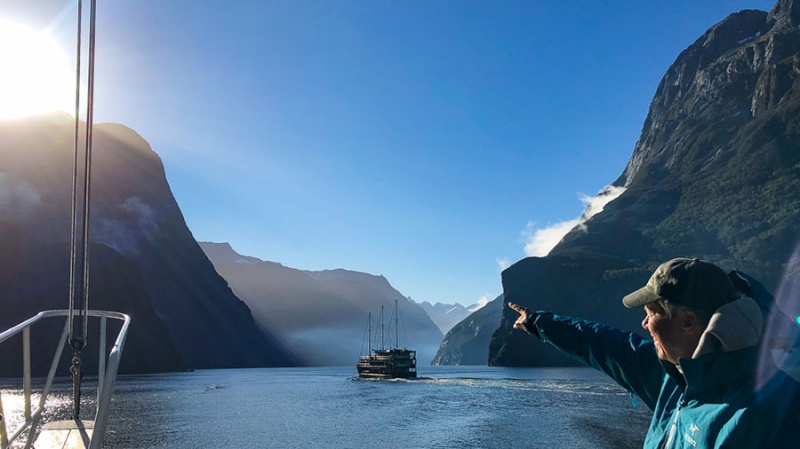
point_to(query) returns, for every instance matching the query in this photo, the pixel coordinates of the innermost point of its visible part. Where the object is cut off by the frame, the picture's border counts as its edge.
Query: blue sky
(424, 141)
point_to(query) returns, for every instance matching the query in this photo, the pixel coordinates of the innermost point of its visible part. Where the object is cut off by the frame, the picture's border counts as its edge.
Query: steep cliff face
(322, 315)
(742, 68)
(715, 174)
(143, 258)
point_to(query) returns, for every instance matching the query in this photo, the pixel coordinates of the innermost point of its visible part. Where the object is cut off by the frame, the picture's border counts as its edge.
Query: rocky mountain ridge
(712, 176)
(715, 175)
(322, 315)
(143, 258)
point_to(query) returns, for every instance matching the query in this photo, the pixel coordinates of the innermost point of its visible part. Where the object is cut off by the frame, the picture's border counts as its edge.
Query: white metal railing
(107, 373)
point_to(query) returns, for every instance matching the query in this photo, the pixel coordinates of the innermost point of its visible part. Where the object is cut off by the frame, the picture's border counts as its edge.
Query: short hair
(671, 309)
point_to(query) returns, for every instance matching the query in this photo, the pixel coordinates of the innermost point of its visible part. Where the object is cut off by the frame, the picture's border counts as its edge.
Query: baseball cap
(690, 282)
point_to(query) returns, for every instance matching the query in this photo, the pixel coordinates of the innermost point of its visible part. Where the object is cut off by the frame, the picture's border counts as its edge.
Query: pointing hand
(524, 313)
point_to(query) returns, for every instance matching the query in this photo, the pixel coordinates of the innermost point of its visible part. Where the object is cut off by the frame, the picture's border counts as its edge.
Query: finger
(519, 309)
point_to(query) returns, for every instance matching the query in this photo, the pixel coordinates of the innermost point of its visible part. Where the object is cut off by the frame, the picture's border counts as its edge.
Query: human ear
(690, 323)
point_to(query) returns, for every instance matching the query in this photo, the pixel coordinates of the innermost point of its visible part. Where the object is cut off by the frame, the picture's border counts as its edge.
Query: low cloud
(144, 213)
(540, 241)
(18, 199)
(124, 232)
(480, 304)
(503, 263)
(595, 204)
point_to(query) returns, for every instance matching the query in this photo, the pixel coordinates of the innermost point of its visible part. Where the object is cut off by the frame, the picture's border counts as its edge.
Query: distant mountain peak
(224, 252)
(445, 315)
(320, 314)
(341, 272)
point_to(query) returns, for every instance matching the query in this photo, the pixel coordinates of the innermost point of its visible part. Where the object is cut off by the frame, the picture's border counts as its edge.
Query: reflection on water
(58, 405)
(447, 407)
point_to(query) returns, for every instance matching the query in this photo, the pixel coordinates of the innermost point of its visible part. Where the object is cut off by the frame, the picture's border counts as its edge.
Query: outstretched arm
(625, 356)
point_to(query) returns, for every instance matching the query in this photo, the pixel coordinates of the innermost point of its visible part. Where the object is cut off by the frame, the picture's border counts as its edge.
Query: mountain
(445, 316)
(322, 315)
(143, 258)
(715, 174)
(467, 343)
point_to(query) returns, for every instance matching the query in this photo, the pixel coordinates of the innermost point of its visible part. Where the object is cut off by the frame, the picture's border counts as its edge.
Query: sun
(35, 75)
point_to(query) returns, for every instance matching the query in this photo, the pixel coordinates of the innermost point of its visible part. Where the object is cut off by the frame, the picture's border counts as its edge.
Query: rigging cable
(79, 262)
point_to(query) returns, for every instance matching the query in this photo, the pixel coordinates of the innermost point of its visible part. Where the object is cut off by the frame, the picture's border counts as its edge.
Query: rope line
(73, 265)
(79, 262)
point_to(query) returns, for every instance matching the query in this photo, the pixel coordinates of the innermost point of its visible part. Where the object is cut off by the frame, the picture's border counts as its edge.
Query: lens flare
(780, 348)
(35, 76)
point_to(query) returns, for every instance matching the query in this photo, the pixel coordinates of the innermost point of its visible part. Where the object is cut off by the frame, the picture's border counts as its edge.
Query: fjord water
(447, 407)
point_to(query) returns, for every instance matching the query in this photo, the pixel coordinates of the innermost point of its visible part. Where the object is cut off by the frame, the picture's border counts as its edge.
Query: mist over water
(448, 407)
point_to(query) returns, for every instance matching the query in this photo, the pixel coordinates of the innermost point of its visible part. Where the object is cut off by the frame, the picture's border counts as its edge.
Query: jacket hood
(736, 325)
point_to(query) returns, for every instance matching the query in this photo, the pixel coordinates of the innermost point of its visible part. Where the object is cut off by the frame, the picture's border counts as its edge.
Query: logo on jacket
(693, 428)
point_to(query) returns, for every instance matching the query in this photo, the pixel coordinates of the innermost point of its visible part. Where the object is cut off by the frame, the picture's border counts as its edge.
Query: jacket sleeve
(625, 356)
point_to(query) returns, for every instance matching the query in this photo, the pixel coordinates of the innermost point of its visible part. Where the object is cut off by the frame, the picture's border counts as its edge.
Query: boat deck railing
(107, 373)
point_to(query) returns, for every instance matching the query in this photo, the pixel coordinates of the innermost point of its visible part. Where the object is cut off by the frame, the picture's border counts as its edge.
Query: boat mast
(369, 333)
(396, 328)
(382, 333)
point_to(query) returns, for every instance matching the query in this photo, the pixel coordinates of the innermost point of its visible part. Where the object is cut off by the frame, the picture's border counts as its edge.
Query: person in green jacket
(699, 373)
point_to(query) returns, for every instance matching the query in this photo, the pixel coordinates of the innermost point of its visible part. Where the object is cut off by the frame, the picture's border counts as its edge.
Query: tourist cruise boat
(383, 362)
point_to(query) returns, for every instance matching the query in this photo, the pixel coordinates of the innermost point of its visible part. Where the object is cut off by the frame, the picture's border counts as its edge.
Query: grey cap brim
(640, 297)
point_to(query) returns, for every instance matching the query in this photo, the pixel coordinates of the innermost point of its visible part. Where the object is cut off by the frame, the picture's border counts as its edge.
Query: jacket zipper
(672, 430)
